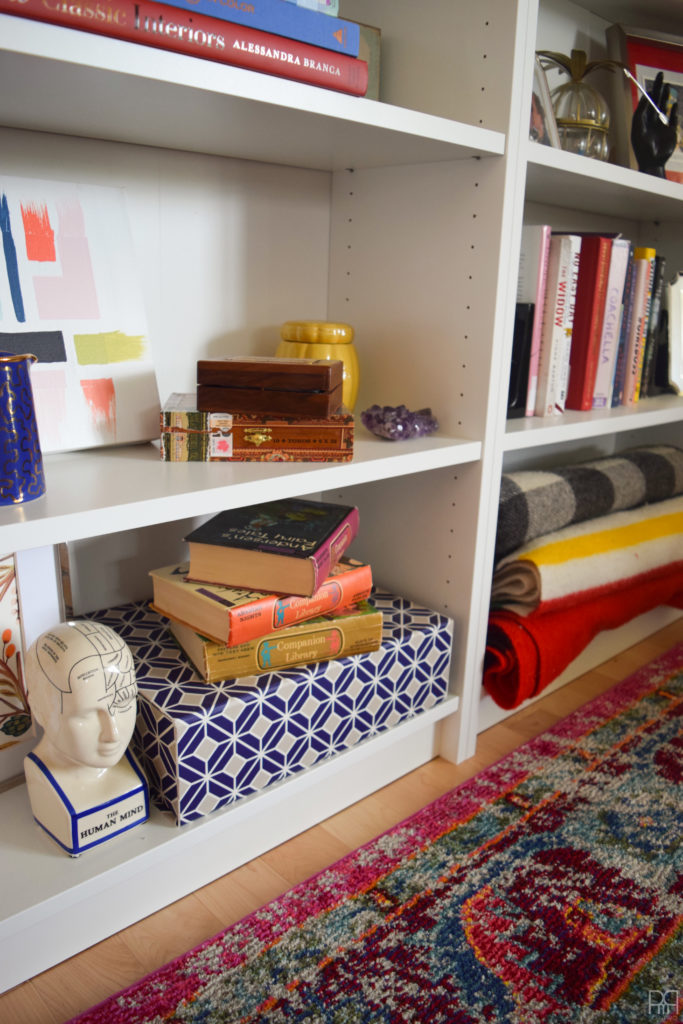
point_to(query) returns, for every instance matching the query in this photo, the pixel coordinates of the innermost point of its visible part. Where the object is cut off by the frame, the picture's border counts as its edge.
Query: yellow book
(353, 630)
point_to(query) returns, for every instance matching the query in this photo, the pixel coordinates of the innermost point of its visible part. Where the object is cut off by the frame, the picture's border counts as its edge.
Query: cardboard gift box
(203, 747)
(263, 384)
(190, 435)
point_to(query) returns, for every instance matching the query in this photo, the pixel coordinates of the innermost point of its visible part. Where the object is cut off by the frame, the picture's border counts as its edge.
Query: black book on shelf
(662, 381)
(519, 367)
(647, 380)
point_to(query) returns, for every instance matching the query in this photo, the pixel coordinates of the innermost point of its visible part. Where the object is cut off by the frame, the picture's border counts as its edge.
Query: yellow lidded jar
(322, 339)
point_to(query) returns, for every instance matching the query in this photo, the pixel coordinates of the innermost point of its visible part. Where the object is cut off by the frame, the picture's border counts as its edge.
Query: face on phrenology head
(82, 689)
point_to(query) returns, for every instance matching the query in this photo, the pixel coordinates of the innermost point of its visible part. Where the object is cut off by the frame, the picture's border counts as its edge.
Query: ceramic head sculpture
(82, 691)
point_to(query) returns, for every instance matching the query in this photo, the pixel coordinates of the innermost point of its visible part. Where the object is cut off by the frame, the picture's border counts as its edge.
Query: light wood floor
(58, 994)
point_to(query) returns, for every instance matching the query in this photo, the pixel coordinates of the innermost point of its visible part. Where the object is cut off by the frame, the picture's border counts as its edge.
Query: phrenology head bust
(82, 690)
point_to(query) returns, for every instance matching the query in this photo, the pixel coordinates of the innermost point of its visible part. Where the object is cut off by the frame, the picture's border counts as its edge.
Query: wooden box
(264, 384)
(188, 435)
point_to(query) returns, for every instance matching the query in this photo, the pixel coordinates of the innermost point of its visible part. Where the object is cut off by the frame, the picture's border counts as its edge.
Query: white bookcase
(254, 200)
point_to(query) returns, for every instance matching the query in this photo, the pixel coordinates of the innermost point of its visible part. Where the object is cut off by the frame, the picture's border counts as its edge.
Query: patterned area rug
(546, 890)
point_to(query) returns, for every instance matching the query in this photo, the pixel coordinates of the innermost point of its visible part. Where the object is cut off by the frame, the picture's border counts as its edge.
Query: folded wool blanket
(536, 502)
(588, 559)
(526, 653)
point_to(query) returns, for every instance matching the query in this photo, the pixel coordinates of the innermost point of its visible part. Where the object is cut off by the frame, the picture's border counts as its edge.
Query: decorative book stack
(259, 409)
(275, 643)
(267, 587)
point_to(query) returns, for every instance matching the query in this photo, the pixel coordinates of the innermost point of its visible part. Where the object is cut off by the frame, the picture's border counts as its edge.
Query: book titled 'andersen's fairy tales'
(288, 546)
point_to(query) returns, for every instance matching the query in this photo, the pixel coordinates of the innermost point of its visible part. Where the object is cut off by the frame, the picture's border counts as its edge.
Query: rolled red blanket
(524, 653)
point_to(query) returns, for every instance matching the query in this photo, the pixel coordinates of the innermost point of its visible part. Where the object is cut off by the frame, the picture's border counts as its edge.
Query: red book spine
(198, 35)
(591, 291)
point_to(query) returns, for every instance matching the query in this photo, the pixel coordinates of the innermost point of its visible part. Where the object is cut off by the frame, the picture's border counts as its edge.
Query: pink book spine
(331, 550)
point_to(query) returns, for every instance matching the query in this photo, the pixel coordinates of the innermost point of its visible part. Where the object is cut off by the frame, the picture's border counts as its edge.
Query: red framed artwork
(645, 54)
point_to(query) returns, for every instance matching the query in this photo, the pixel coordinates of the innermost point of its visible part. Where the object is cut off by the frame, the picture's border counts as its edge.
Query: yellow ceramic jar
(321, 339)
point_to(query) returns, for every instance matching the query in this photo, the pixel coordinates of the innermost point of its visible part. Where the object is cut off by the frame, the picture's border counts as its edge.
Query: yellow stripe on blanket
(608, 540)
(588, 556)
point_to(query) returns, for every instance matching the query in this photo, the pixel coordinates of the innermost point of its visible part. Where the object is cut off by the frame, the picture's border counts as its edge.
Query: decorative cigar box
(189, 435)
(265, 384)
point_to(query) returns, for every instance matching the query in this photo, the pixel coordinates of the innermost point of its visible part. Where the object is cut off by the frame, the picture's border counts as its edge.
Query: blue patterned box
(204, 746)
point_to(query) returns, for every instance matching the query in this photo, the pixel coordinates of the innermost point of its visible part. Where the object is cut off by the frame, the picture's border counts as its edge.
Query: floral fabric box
(204, 746)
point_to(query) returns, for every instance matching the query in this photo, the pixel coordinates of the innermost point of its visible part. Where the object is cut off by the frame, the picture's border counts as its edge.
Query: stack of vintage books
(268, 651)
(260, 409)
(266, 587)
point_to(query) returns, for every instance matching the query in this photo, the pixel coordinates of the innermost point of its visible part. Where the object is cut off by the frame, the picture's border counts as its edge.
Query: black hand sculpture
(653, 141)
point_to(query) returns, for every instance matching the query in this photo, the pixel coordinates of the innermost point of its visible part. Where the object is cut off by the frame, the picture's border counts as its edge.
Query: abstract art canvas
(70, 295)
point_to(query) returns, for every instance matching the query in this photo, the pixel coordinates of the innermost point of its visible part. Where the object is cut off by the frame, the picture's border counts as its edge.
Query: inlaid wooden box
(264, 384)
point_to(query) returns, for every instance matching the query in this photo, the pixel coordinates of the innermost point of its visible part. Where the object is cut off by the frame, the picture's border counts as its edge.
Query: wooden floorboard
(65, 990)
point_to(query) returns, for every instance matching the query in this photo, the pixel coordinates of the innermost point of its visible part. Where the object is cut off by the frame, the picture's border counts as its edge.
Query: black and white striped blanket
(536, 502)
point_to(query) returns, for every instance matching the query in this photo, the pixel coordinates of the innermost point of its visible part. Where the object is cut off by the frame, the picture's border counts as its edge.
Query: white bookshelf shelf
(50, 901)
(129, 486)
(534, 431)
(110, 89)
(564, 179)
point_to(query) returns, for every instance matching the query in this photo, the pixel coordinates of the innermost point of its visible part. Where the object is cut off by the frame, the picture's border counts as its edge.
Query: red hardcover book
(591, 291)
(197, 35)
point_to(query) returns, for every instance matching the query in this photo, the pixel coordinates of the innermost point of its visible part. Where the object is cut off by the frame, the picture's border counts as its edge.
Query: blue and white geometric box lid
(203, 746)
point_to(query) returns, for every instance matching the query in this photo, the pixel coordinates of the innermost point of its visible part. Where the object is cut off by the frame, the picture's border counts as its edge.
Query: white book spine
(611, 324)
(574, 249)
(674, 291)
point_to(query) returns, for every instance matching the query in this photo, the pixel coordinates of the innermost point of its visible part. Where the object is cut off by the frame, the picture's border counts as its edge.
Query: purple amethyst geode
(397, 422)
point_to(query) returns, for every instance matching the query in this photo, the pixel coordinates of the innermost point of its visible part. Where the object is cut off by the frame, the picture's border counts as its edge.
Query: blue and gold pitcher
(21, 460)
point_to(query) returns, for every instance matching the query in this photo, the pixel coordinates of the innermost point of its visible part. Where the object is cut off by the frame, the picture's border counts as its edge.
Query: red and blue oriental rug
(547, 890)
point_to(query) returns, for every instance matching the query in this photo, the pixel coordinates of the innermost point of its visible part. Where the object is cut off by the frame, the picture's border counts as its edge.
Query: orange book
(232, 616)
